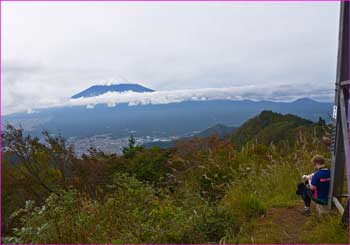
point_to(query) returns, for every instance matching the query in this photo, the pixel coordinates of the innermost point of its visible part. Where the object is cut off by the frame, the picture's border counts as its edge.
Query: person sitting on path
(316, 185)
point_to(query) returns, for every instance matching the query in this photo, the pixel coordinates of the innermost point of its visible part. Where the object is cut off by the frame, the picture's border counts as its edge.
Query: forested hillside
(269, 127)
(204, 190)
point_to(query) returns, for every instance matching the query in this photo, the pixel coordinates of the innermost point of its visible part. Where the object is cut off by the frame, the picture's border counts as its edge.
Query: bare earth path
(282, 225)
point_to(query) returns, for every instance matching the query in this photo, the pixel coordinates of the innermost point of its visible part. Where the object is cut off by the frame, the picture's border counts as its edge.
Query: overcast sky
(277, 51)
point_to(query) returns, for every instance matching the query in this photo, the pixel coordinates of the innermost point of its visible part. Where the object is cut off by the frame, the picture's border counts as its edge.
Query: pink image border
(1, 75)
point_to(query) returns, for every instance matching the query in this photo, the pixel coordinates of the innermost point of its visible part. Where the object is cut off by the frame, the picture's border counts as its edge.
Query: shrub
(243, 205)
(133, 213)
(149, 165)
(215, 223)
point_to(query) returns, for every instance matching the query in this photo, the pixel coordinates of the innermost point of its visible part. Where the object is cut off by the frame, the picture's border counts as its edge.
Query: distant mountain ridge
(97, 90)
(267, 127)
(159, 120)
(219, 130)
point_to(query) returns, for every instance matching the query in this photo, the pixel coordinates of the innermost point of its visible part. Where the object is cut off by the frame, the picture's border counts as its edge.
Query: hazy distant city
(108, 144)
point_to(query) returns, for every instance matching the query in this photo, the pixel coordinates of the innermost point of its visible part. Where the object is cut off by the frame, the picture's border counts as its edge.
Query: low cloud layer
(284, 93)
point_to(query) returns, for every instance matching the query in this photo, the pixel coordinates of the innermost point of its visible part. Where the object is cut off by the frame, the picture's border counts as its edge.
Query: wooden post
(340, 149)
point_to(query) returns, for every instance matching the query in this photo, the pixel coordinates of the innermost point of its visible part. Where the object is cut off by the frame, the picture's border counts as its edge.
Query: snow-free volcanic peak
(102, 89)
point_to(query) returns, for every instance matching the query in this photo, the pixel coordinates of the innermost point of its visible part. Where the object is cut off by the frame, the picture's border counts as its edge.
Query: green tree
(131, 148)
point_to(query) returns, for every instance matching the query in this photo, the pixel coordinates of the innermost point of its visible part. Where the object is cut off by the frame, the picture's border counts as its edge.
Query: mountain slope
(219, 130)
(241, 196)
(269, 127)
(101, 89)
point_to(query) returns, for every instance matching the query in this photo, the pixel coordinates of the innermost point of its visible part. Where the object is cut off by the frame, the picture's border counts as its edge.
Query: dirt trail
(282, 225)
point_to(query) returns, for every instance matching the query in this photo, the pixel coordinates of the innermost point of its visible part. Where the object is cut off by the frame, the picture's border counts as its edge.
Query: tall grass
(328, 229)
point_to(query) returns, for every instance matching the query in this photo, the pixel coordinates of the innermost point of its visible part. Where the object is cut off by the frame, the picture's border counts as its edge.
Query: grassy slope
(209, 191)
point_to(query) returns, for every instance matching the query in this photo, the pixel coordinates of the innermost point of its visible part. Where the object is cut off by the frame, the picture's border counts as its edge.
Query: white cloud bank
(282, 92)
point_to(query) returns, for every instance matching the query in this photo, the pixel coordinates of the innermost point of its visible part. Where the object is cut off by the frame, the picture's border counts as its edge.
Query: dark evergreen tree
(128, 151)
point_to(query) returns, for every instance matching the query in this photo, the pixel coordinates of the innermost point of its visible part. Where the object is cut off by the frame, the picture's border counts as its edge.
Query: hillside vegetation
(272, 128)
(205, 190)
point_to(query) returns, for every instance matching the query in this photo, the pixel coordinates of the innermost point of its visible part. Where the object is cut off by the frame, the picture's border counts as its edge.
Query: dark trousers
(308, 195)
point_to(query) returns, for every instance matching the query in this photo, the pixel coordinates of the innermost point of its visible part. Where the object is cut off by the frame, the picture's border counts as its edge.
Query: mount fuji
(97, 90)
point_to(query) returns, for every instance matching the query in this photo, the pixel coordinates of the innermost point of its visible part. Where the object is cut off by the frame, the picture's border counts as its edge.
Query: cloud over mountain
(252, 92)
